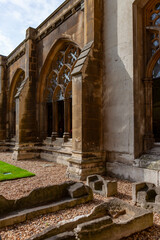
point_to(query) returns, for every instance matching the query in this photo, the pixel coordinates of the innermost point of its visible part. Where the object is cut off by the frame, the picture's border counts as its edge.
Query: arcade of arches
(50, 86)
(83, 91)
(58, 93)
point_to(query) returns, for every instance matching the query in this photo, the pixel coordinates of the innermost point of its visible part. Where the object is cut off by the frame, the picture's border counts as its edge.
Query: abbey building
(82, 89)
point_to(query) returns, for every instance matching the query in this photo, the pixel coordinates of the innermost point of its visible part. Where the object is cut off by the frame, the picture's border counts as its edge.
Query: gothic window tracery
(152, 26)
(60, 70)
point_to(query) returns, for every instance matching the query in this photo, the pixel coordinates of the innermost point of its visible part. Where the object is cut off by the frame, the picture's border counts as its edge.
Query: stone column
(26, 130)
(66, 134)
(148, 138)
(3, 99)
(69, 116)
(55, 121)
(87, 75)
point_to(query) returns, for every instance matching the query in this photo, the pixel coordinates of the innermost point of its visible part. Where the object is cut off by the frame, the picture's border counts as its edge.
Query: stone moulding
(62, 19)
(112, 220)
(18, 56)
(43, 201)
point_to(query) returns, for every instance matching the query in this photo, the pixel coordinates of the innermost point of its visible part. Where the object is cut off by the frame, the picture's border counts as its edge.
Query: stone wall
(118, 108)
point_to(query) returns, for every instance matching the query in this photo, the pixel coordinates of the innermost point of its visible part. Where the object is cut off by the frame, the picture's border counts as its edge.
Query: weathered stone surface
(63, 236)
(112, 220)
(146, 195)
(5, 205)
(77, 190)
(43, 196)
(103, 187)
(19, 215)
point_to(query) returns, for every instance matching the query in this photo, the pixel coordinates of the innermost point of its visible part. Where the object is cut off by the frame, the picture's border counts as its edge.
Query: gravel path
(49, 174)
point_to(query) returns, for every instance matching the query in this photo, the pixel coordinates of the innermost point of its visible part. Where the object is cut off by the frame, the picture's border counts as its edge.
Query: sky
(17, 15)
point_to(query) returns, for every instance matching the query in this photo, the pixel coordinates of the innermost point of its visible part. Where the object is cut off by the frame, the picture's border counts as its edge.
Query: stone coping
(42, 201)
(112, 220)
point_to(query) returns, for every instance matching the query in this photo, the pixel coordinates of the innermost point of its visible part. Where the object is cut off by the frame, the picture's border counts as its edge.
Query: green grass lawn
(8, 172)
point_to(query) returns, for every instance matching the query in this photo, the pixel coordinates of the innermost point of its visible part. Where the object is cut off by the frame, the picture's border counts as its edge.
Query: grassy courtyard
(8, 172)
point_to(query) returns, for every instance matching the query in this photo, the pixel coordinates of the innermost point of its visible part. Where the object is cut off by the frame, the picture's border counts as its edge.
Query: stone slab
(102, 223)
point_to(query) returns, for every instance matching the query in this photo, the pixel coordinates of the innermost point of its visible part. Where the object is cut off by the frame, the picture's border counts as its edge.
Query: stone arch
(151, 64)
(58, 93)
(57, 45)
(59, 62)
(18, 77)
(143, 67)
(68, 91)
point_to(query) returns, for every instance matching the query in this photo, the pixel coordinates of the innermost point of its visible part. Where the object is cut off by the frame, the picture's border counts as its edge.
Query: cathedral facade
(82, 89)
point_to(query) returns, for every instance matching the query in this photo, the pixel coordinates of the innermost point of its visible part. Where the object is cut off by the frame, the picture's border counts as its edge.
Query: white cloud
(5, 44)
(17, 15)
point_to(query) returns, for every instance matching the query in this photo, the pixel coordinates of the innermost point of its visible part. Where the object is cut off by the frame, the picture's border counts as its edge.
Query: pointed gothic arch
(54, 80)
(18, 77)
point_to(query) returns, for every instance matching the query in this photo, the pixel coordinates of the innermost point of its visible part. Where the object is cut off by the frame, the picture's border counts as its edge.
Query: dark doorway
(50, 119)
(156, 109)
(60, 118)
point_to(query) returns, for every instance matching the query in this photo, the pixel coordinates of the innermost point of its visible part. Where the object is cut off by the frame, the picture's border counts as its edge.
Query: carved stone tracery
(152, 34)
(58, 82)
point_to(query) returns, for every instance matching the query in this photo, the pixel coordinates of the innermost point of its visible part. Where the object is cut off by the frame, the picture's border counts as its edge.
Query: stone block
(146, 195)
(135, 188)
(157, 199)
(141, 196)
(110, 228)
(111, 220)
(158, 190)
(103, 187)
(77, 190)
(111, 188)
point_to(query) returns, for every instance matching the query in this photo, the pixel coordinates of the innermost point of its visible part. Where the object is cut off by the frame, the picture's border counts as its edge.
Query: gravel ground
(49, 174)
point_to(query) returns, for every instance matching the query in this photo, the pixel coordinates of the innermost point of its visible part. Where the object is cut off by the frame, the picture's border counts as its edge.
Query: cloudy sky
(17, 15)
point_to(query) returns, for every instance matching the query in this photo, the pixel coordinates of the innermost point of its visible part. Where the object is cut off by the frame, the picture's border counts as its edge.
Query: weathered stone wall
(2, 98)
(118, 108)
(33, 56)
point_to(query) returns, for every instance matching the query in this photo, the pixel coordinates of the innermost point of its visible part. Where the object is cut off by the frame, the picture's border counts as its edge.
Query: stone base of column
(79, 167)
(148, 142)
(2, 135)
(66, 135)
(54, 136)
(25, 152)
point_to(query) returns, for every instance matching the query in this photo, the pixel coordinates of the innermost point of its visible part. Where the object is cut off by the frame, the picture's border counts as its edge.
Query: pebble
(51, 175)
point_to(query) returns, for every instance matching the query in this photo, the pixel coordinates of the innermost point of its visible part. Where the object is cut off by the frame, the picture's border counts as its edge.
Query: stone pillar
(70, 116)
(66, 134)
(3, 99)
(148, 138)
(55, 121)
(87, 141)
(27, 132)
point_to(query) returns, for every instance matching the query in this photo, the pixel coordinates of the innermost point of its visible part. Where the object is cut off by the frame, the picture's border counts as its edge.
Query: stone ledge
(132, 173)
